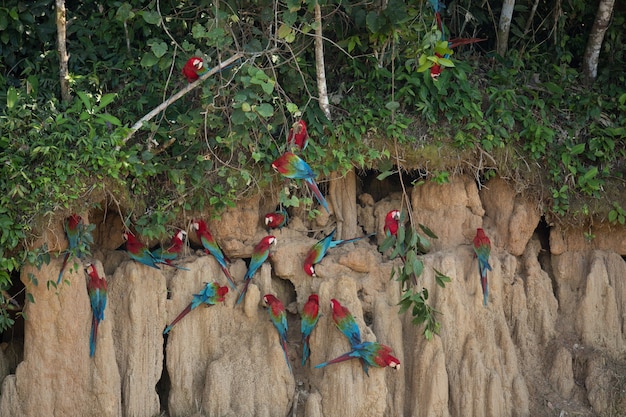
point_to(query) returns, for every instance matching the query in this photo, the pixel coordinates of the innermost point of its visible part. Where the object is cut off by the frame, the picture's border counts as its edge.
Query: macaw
(276, 220)
(176, 246)
(97, 290)
(344, 320)
(72, 226)
(279, 320)
(298, 135)
(309, 317)
(436, 68)
(210, 295)
(318, 251)
(371, 354)
(291, 165)
(260, 253)
(482, 250)
(138, 251)
(211, 246)
(194, 68)
(392, 223)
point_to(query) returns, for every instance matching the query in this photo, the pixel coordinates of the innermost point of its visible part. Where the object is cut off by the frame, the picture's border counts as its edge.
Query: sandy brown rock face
(57, 377)
(550, 339)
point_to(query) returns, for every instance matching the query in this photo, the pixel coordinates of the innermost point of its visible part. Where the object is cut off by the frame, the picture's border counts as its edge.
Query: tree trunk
(600, 25)
(61, 48)
(320, 69)
(504, 26)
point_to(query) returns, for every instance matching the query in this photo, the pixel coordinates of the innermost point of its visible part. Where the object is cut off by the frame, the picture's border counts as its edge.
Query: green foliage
(409, 245)
(216, 144)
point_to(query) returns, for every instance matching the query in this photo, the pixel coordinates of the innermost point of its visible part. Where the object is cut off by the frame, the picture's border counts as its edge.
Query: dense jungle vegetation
(522, 106)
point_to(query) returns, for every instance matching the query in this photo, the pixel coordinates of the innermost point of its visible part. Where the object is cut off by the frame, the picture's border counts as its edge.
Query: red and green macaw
(482, 250)
(372, 354)
(210, 295)
(279, 320)
(298, 135)
(138, 251)
(443, 49)
(392, 222)
(211, 246)
(167, 255)
(344, 320)
(318, 251)
(194, 68)
(72, 227)
(259, 255)
(309, 317)
(276, 220)
(292, 166)
(97, 290)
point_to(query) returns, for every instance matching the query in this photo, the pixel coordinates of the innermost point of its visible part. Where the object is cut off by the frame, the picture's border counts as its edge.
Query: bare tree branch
(504, 26)
(180, 94)
(61, 48)
(594, 44)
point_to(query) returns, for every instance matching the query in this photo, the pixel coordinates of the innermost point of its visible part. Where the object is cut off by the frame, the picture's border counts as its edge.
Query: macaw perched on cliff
(309, 317)
(211, 246)
(210, 295)
(443, 49)
(279, 320)
(194, 68)
(138, 251)
(318, 251)
(97, 290)
(276, 220)
(72, 226)
(292, 166)
(482, 250)
(298, 135)
(344, 320)
(392, 222)
(167, 255)
(372, 354)
(260, 253)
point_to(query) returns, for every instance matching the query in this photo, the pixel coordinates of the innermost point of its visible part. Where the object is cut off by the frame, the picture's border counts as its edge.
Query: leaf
(151, 17)
(108, 118)
(392, 105)
(612, 216)
(384, 175)
(428, 232)
(445, 62)
(158, 48)
(387, 243)
(577, 149)
(265, 110)
(12, 97)
(148, 60)
(284, 31)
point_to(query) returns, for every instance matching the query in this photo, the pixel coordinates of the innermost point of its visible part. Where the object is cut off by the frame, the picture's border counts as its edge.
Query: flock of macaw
(291, 166)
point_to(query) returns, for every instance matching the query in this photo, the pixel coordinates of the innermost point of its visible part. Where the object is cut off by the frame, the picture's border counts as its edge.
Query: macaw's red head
(391, 222)
(192, 67)
(269, 299)
(74, 220)
(91, 271)
(265, 243)
(480, 233)
(385, 358)
(221, 293)
(314, 298)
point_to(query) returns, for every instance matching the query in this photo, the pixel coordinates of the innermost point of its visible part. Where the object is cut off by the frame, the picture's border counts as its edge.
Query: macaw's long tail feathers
(453, 43)
(283, 343)
(318, 194)
(93, 336)
(169, 263)
(342, 358)
(178, 318)
(229, 277)
(67, 256)
(485, 285)
(243, 291)
(306, 350)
